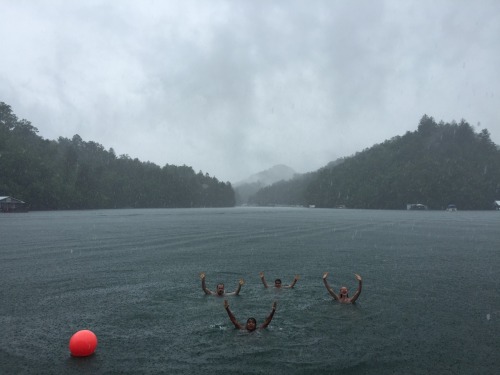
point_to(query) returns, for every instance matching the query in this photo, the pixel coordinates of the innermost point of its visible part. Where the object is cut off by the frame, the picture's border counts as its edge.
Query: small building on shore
(11, 204)
(416, 206)
(496, 205)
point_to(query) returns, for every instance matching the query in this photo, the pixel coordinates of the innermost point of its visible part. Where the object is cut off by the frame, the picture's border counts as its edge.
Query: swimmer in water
(251, 324)
(343, 296)
(277, 282)
(220, 288)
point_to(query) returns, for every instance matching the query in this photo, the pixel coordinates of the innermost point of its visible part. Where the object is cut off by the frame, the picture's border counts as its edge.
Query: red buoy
(83, 343)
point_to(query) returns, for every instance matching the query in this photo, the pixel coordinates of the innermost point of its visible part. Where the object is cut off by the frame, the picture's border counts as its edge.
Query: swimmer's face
(220, 289)
(343, 291)
(277, 283)
(251, 324)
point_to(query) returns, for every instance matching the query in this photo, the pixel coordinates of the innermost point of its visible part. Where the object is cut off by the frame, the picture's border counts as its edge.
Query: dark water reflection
(430, 302)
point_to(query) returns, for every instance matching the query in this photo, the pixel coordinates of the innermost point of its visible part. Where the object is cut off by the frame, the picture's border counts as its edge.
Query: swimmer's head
(220, 289)
(277, 283)
(343, 292)
(251, 324)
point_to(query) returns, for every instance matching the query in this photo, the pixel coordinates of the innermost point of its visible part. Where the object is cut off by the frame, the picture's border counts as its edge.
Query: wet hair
(277, 281)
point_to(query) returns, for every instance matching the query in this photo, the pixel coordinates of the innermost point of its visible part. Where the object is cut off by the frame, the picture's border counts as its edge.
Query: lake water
(430, 302)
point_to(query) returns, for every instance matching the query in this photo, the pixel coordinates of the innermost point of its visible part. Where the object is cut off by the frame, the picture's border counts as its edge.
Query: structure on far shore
(416, 206)
(10, 204)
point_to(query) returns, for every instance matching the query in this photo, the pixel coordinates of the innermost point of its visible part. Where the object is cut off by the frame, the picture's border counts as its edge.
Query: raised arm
(237, 291)
(269, 318)
(296, 278)
(360, 285)
(263, 279)
(327, 286)
(231, 316)
(203, 285)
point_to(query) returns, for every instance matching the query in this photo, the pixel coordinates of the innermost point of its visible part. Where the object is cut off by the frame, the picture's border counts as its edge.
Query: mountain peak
(269, 176)
(249, 186)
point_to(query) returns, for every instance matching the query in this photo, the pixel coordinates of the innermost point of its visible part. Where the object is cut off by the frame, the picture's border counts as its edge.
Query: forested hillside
(437, 165)
(74, 174)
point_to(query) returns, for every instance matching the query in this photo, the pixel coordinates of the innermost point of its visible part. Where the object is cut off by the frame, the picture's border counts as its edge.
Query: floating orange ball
(83, 343)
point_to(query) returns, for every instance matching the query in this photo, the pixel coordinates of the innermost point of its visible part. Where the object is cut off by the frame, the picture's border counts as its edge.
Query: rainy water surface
(430, 300)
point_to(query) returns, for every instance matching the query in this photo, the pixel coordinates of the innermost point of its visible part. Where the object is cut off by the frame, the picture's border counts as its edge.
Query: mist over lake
(430, 301)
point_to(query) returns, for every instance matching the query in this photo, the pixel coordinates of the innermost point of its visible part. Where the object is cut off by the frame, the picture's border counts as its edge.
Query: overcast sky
(234, 87)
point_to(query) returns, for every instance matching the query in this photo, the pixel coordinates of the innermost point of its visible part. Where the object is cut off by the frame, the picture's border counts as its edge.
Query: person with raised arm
(220, 291)
(277, 282)
(251, 324)
(343, 296)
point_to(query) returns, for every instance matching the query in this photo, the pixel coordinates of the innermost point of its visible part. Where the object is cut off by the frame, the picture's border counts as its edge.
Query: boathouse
(416, 206)
(10, 204)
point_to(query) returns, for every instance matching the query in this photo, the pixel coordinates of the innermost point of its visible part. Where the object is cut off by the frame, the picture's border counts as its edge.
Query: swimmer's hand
(297, 277)
(241, 282)
(226, 304)
(202, 275)
(261, 274)
(274, 305)
(358, 277)
(325, 275)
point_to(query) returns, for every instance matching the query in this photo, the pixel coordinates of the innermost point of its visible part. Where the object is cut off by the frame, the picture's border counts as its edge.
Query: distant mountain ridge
(269, 176)
(244, 189)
